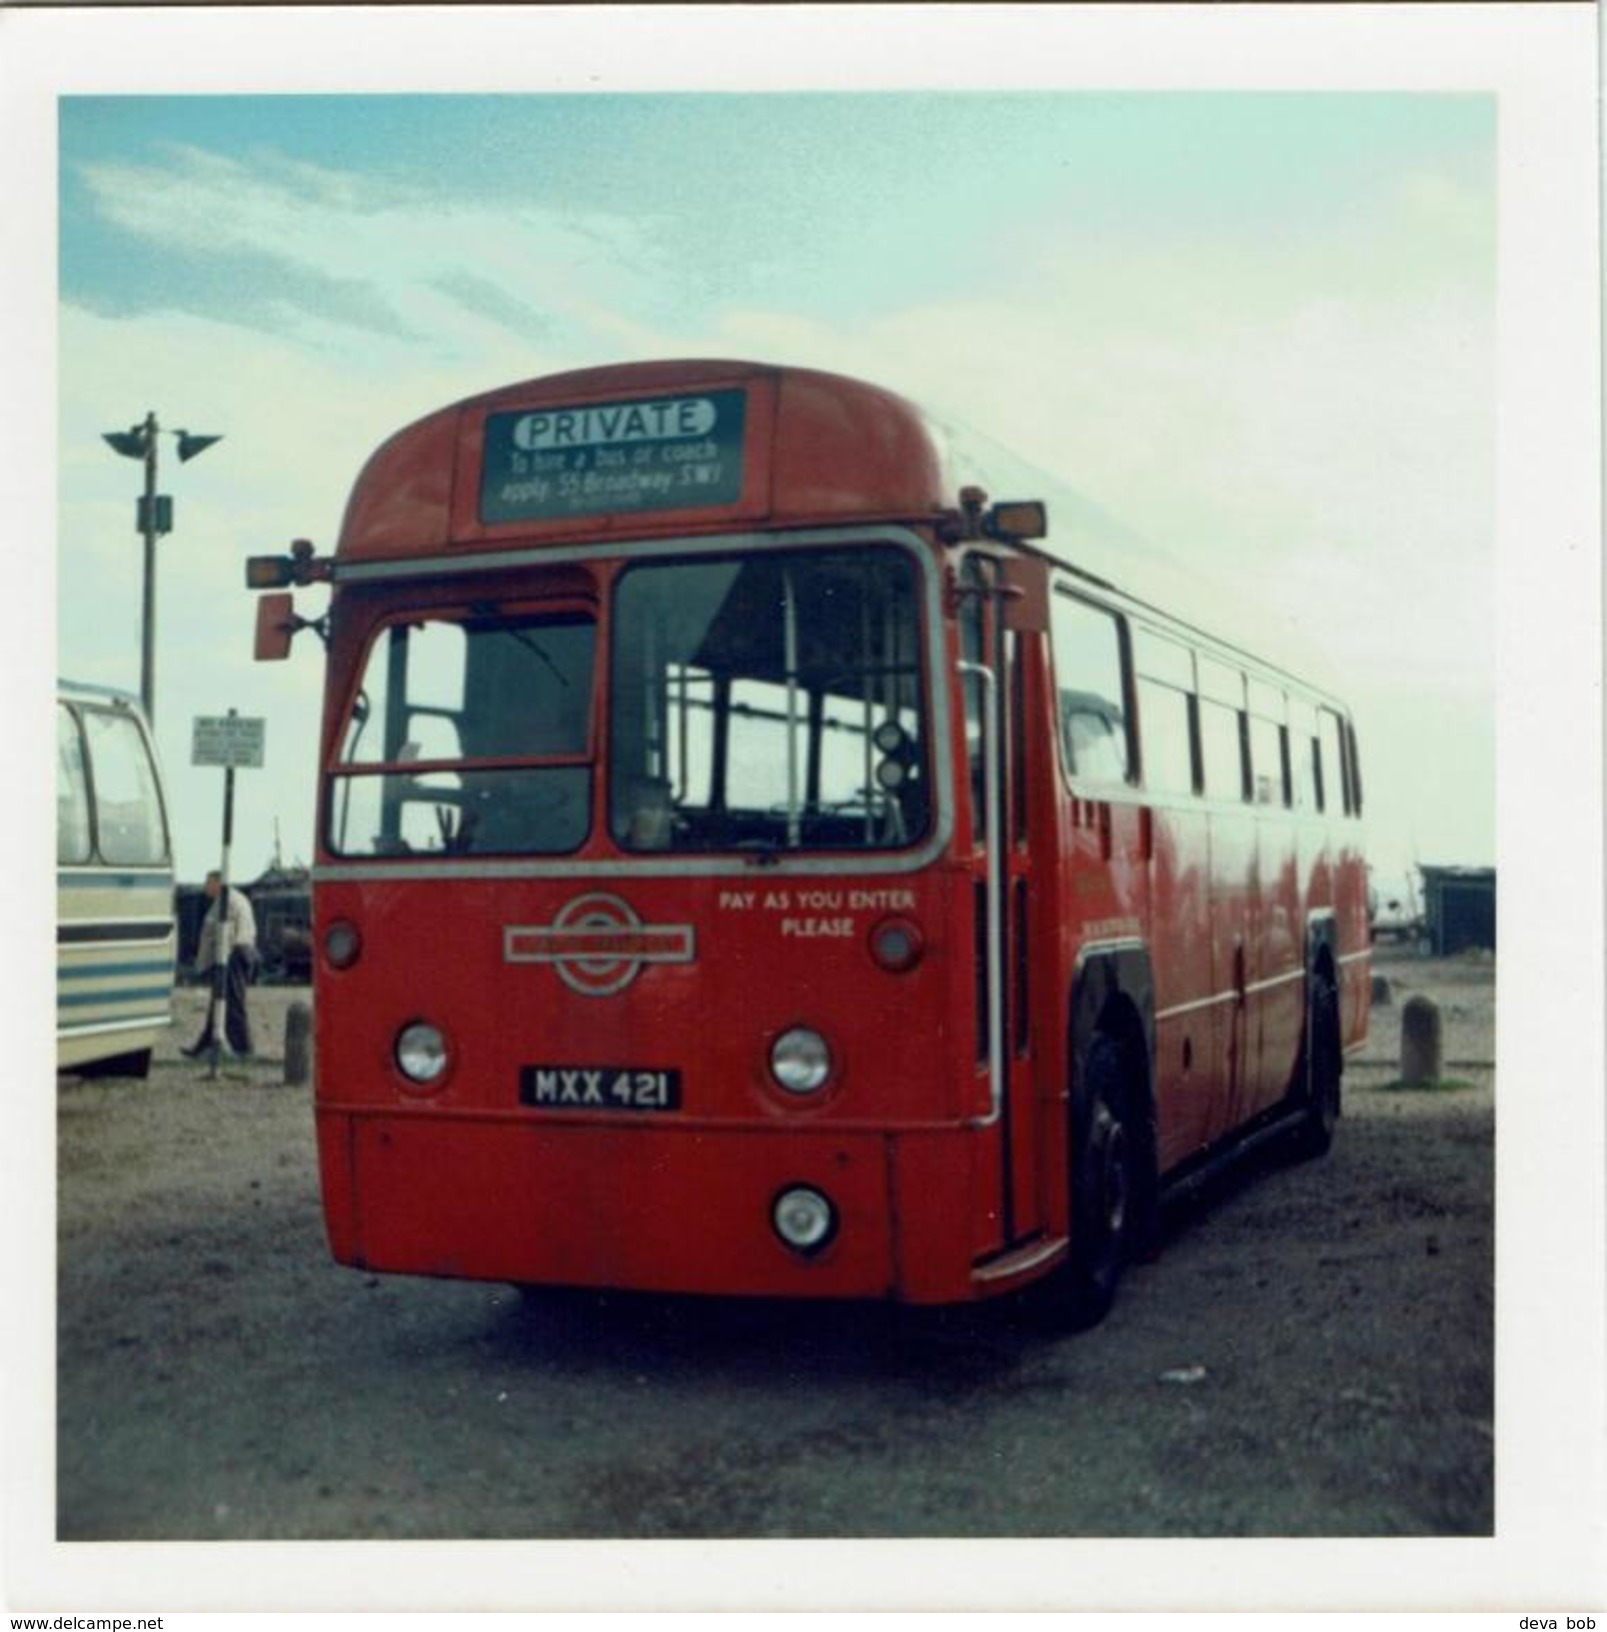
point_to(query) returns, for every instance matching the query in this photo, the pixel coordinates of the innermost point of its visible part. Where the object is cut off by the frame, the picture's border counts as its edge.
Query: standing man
(242, 968)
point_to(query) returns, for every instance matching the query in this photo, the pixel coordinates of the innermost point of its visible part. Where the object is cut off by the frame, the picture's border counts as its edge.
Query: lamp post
(153, 516)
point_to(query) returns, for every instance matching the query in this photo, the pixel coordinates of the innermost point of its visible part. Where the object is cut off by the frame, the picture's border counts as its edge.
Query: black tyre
(134, 1064)
(1317, 1081)
(1108, 1165)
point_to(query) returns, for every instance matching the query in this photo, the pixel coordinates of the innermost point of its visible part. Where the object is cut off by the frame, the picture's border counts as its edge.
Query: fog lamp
(804, 1219)
(800, 1060)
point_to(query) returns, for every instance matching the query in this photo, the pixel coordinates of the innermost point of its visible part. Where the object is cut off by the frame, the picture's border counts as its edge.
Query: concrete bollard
(1421, 1046)
(298, 1044)
(1382, 995)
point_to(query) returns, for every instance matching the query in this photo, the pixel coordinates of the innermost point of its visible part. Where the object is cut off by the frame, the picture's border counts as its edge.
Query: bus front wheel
(1106, 1176)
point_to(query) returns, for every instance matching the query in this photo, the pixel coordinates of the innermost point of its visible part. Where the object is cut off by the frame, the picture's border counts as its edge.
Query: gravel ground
(1310, 1355)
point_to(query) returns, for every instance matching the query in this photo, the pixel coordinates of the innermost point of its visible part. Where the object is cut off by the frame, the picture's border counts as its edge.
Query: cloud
(375, 269)
(1322, 456)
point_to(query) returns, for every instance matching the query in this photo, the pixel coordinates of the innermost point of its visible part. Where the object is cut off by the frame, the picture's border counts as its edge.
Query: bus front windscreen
(770, 701)
(469, 735)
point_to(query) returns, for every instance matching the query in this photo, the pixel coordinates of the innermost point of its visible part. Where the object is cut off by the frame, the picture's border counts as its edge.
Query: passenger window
(1266, 761)
(1088, 680)
(1165, 687)
(72, 791)
(1167, 748)
(1303, 756)
(1221, 751)
(1330, 765)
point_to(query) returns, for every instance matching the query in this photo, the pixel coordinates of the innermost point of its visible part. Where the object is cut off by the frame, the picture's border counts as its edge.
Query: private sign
(228, 740)
(657, 421)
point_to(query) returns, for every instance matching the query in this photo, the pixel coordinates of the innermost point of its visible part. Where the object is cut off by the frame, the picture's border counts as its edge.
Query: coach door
(994, 635)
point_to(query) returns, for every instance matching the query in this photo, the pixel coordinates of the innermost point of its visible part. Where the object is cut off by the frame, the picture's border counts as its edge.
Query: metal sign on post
(227, 741)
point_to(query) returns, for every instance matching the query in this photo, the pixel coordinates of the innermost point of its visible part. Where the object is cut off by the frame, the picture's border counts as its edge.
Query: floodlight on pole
(131, 443)
(153, 516)
(189, 445)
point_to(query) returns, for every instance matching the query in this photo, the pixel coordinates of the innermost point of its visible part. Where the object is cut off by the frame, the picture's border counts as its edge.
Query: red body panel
(466, 1180)
(616, 1206)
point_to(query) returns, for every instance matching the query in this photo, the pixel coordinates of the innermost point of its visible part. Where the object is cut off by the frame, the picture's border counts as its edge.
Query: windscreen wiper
(490, 615)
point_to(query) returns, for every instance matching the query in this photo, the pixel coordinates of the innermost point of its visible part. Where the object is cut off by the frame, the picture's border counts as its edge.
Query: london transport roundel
(597, 944)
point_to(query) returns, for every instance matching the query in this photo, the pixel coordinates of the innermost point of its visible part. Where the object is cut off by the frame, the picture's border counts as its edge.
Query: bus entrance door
(996, 740)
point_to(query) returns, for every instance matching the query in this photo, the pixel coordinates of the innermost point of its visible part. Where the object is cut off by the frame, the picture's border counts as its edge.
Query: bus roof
(644, 449)
(668, 448)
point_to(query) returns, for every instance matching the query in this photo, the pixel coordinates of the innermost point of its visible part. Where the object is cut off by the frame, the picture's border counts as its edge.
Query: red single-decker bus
(751, 860)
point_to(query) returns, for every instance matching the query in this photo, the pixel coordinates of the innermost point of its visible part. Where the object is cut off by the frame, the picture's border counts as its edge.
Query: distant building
(1459, 908)
(282, 901)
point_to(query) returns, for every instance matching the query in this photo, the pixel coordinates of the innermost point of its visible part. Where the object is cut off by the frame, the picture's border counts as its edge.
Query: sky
(1257, 328)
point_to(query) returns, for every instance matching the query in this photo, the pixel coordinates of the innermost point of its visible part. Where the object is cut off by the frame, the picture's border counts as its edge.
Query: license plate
(599, 1088)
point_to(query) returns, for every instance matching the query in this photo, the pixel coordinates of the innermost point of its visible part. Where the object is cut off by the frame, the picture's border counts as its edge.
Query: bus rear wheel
(1106, 1176)
(1320, 1070)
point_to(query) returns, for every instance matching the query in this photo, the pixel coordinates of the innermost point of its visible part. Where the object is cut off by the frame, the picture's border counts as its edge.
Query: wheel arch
(1113, 990)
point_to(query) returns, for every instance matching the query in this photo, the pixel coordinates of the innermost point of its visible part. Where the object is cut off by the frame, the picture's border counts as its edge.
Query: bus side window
(1089, 685)
(1222, 731)
(1165, 689)
(1303, 756)
(1330, 764)
(1221, 750)
(1167, 741)
(128, 805)
(1267, 713)
(1266, 761)
(72, 791)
